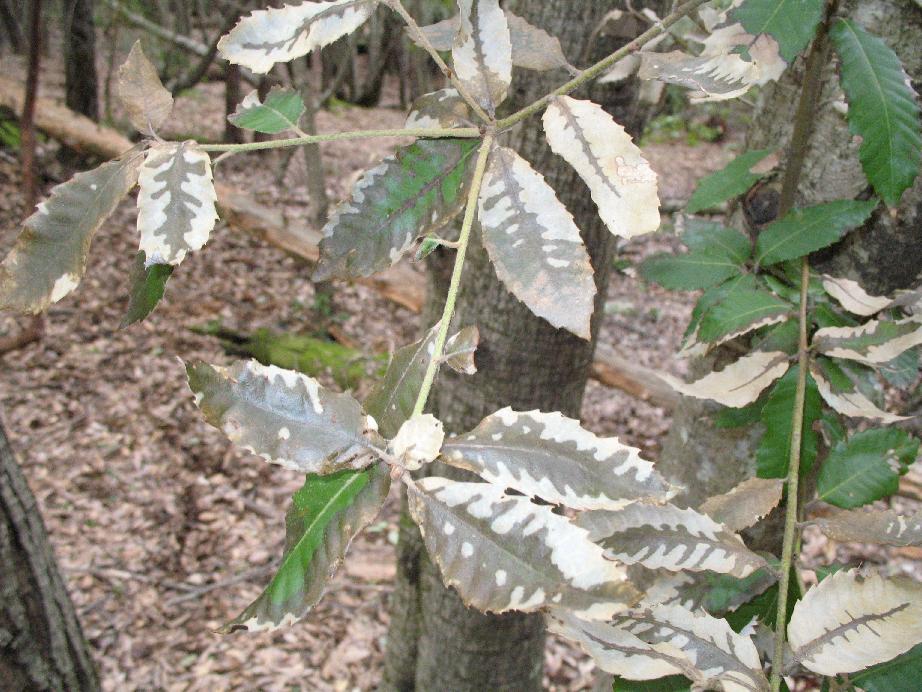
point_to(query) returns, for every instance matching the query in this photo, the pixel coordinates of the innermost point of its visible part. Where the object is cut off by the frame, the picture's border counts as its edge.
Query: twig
(463, 241)
(398, 7)
(803, 127)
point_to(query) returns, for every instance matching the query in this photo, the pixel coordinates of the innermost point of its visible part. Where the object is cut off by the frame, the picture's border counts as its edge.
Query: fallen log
(400, 284)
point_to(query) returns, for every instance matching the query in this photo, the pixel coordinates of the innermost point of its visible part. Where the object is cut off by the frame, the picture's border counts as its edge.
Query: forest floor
(162, 529)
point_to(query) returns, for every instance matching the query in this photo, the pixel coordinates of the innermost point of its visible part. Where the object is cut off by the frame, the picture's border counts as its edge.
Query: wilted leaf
(792, 23)
(745, 504)
(482, 52)
(665, 640)
(741, 312)
(620, 180)
(667, 537)
(266, 37)
(279, 111)
(882, 109)
(176, 202)
(440, 109)
(534, 243)
(534, 48)
(412, 193)
(842, 395)
(712, 77)
(147, 286)
(144, 97)
(774, 453)
(418, 441)
(846, 623)
(393, 397)
(503, 552)
(872, 343)
(49, 257)
(875, 526)
(460, 349)
(866, 467)
(739, 383)
(550, 456)
(730, 182)
(325, 515)
(853, 297)
(285, 417)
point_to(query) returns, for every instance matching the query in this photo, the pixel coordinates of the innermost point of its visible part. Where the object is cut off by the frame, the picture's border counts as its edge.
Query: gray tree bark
(884, 255)
(435, 642)
(41, 644)
(81, 83)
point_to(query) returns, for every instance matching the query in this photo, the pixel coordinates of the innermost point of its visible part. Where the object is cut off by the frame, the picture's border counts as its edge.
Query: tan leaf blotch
(141, 92)
(482, 52)
(739, 383)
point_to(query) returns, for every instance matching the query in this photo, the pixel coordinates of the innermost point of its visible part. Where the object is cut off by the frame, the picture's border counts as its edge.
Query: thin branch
(803, 127)
(463, 241)
(421, 39)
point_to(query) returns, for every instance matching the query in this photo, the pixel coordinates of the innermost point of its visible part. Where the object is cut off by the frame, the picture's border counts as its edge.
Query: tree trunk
(883, 255)
(232, 96)
(435, 643)
(41, 644)
(81, 86)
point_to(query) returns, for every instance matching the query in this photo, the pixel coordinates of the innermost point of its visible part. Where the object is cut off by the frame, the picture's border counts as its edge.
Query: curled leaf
(620, 179)
(745, 504)
(418, 441)
(854, 298)
(738, 384)
(843, 396)
(280, 110)
(141, 92)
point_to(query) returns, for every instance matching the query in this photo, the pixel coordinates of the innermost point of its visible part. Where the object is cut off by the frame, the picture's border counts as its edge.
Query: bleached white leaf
(418, 441)
(440, 109)
(503, 552)
(853, 297)
(49, 258)
(550, 456)
(850, 402)
(141, 92)
(645, 644)
(623, 69)
(534, 243)
(266, 37)
(847, 623)
(620, 179)
(482, 52)
(460, 349)
(872, 526)
(176, 202)
(872, 343)
(738, 384)
(667, 537)
(745, 504)
(285, 417)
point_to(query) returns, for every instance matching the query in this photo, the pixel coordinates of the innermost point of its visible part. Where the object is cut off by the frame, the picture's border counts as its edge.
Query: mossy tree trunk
(435, 642)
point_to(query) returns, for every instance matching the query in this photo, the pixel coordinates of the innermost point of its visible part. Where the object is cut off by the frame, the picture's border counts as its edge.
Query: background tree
(81, 83)
(435, 642)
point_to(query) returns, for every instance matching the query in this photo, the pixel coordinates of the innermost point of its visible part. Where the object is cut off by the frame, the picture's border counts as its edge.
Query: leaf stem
(602, 65)
(429, 133)
(803, 126)
(421, 39)
(449, 310)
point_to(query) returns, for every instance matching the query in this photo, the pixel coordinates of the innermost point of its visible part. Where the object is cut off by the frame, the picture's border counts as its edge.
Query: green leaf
(414, 192)
(731, 181)
(724, 594)
(534, 243)
(708, 236)
(715, 295)
(147, 286)
(281, 110)
(792, 23)
(803, 231)
(902, 371)
(902, 674)
(49, 257)
(688, 271)
(325, 515)
(741, 311)
(728, 418)
(285, 417)
(764, 607)
(773, 455)
(882, 109)
(671, 683)
(866, 467)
